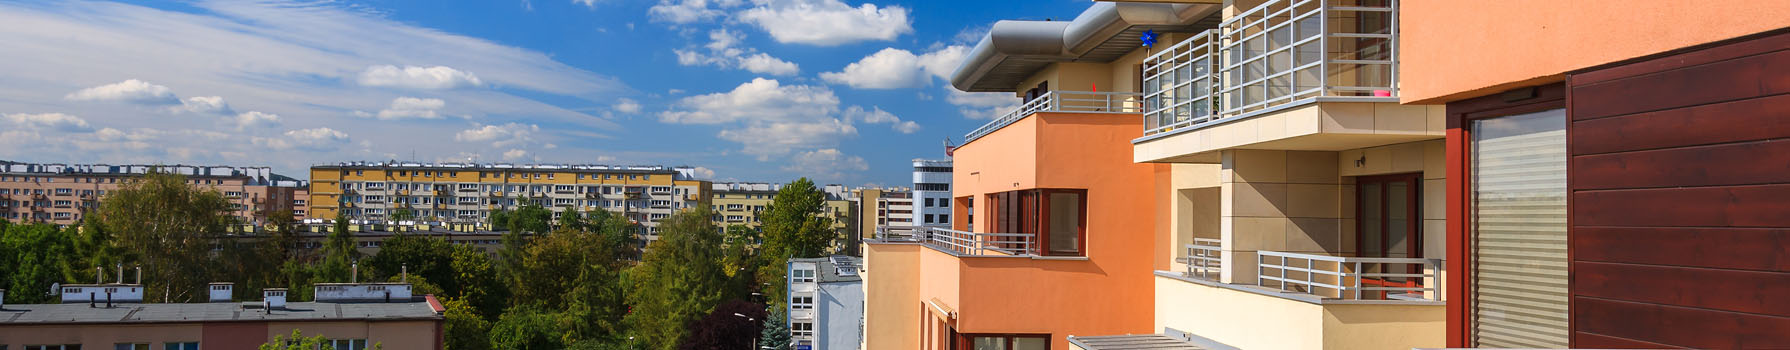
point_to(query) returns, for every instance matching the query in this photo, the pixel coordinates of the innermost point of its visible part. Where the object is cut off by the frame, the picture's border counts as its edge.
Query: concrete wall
(841, 323)
(399, 335)
(1254, 321)
(1451, 50)
(891, 290)
(396, 335)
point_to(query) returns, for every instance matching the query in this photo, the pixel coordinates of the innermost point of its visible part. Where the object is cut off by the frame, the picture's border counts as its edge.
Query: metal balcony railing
(1350, 278)
(1204, 259)
(1063, 101)
(962, 243)
(1281, 52)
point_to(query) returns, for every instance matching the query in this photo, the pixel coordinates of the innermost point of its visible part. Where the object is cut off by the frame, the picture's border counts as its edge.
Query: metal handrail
(1204, 258)
(1346, 277)
(1276, 53)
(1063, 101)
(963, 243)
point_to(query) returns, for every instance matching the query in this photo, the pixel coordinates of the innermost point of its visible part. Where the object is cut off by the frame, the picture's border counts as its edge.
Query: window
(801, 275)
(932, 187)
(131, 346)
(54, 347)
(928, 204)
(801, 302)
(1517, 208)
(1009, 342)
(928, 218)
(181, 346)
(348, 344)
(1056, 216)
(801, 329)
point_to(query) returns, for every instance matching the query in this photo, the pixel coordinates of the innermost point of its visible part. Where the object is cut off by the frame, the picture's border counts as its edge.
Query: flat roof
(80, 313)
(1139, 341)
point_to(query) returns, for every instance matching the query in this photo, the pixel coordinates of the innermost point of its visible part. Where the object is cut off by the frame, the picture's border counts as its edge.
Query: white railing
(1349, 278)
(1063, 101)
(1204, 259)
(963, 243)
(1279, 52)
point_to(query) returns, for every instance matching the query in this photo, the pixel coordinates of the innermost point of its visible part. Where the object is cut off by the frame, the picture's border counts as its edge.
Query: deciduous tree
(679, 280)
(171, 226)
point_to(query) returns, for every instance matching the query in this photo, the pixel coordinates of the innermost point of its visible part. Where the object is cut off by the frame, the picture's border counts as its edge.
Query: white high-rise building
(932, 193)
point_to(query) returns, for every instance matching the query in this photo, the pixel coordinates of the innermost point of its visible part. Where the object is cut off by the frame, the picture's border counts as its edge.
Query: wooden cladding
(1680, 185)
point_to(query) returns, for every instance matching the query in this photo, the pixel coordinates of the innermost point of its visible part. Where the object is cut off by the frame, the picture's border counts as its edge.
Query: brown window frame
(1028, 212)
(967, 341)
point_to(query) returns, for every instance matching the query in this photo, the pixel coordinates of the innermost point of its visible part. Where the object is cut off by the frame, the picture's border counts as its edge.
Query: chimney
(99, 275)
(354, 273)
(120, 273)
(404, 276)
(274, 297)
(139, 274)
(222, 292)
(2, 299)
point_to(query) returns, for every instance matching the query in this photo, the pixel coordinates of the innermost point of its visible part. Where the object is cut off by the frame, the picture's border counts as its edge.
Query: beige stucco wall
(1450, 50)
(1330, 126)
(1195, 208)
(1255, 321)
(891, 289)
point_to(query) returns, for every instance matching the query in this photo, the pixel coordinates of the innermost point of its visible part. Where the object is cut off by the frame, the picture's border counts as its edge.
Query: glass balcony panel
(1279, 86)
(1308, 79)
(1280, 62)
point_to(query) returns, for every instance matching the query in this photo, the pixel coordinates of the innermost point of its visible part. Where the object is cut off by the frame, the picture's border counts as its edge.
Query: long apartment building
(740, 203)
(1367, 174)
(63, 194)
(469, 193)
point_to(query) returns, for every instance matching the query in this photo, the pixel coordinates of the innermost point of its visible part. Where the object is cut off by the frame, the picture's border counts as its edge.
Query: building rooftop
(683, 172)
(28, 314)
(256, 175)
(837, 268)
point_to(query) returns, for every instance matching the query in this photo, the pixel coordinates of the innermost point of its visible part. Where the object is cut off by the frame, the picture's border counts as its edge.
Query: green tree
(171, 226)
(466, 328)
(530, 217)
(35, 256)
(527, 329)
(403, 214)
(479, 283)
(679, 280)
(776, 331)
(794, 227)
(297, 342)
(571, 220)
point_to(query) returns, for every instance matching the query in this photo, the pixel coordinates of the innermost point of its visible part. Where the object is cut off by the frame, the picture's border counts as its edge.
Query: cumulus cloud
(204, 104)
(826, 22)
(879, 116)
(255, 118)
(703, 173)
(724, 50)
(414, 77)
(49, 121)
(768, 139)
(132, 91)
(412, 108)
(981, 105)
(515, 155)
(687, 11)
(505, 135)
(894, 68)
(627, 105)
(314, 139)
(826, 163)
(757, 100)
(586, 3)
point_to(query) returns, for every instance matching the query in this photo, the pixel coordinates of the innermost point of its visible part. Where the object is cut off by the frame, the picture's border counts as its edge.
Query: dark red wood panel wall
(1680, 180)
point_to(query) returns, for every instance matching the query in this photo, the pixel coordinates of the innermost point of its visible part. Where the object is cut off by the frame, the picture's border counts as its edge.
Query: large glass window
(1519, 232)
(1009, 342)
(1054, 217)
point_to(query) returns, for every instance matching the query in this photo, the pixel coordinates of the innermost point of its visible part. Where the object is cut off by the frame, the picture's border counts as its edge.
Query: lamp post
(754, 342)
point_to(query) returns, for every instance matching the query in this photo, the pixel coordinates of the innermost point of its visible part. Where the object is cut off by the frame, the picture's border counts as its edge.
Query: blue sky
(750, 90)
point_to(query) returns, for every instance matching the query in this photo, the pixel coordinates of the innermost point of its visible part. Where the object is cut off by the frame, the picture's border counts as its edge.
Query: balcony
(960, 243)
(1280, 54)
(1063, 101)
(1339, 302)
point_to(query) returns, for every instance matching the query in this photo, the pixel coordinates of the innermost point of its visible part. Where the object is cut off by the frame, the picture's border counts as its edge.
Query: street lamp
(754, 337)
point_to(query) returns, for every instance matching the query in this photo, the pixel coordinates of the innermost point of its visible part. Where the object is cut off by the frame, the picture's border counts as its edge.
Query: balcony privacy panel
(1519, 231)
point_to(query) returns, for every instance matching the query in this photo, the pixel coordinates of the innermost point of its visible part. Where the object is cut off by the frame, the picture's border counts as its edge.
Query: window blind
(1519, 231)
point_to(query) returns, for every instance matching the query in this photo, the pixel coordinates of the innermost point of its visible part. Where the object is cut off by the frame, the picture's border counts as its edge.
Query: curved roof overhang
(1014, 50)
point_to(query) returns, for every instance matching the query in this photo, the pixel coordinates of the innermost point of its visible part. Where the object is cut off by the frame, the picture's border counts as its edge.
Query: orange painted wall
(1111, 291)
(1450, 50)
(894, 316)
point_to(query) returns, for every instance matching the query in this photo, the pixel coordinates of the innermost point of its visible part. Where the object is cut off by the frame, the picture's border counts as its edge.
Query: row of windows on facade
(42, 216)
(933, 169)
(932, 187)
(380, 186)
(462, 213)
(509, 175)
(92, 180)
(377, 199)
(738, 207)
(744, 196)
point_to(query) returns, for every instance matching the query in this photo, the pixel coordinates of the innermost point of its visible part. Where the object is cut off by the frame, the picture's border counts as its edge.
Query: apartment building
(1624, 190)
(932, 192)
(826, 303)
(349, 316)
(63, 194)
(740, 203)
(1061, 235)
(876, 208)
(469, 193)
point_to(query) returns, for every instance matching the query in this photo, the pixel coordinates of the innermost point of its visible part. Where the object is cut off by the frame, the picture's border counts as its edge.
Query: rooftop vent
(274, 298)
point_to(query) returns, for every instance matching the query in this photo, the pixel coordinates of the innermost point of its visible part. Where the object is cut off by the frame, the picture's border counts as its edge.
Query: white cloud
(133, 91)
(760, 99)
(412, 108)
(724, 50)
(586, 3)
(704, 173)
(826, 163)
(826, 22)
(414, 77)
(879, 116)
(684, 11)
(515, 155)
(256, 118)
(981, 105)
(49, 121)
(506, 135)
(767, 139)
(204, 104)
(627, 105)
(314, 139)
(894, 68)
